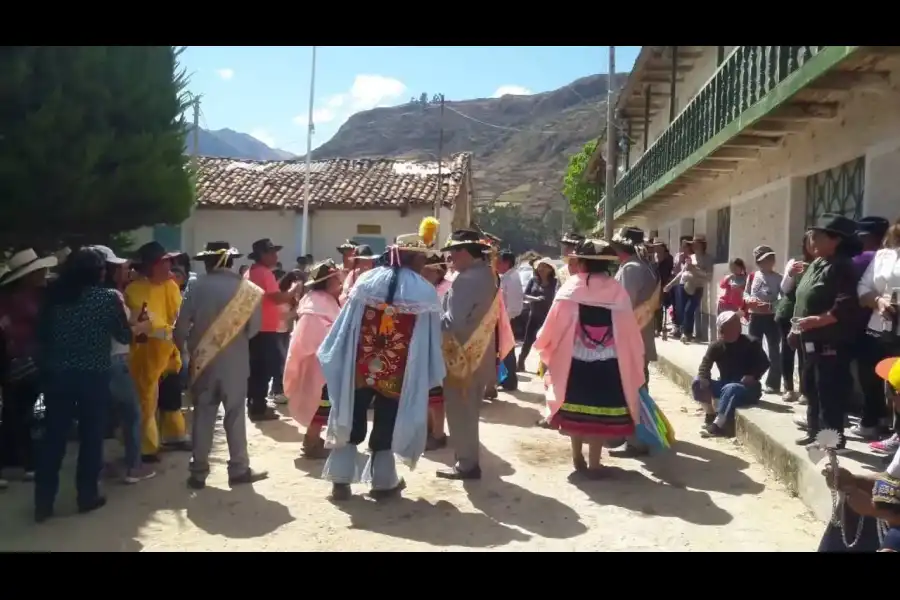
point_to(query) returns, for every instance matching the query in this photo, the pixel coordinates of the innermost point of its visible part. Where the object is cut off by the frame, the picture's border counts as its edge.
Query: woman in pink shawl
(595, 357)
(435, 271)
(304, 384)
(363, 260)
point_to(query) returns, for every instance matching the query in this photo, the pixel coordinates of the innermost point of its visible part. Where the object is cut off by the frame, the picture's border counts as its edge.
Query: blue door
(376, 243)
(168, 235)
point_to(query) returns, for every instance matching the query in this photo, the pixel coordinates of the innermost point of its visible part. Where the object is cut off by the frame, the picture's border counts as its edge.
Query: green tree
(582, 195)
(520, 232)
(92, 142)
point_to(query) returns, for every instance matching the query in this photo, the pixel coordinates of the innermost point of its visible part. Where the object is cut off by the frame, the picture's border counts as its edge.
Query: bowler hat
(263, 246)
(835, 224)
(875, 226)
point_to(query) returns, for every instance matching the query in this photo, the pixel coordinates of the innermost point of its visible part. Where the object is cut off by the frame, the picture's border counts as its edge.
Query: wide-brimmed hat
(494, 240)
(835, 224)
(466, 238)
(874, 226)
(545, 261)
(217, 249)
(364, 252)
(263, 246)
(347, 245)
(655, 243)
(24, 262)
(761, 252)
(321, 271)
(630, 237)
(411, 242)
(889, 370)
(152, 252)
(592, 249)
(571, 238)
(699, 238)
(435, 261)
(109, 255)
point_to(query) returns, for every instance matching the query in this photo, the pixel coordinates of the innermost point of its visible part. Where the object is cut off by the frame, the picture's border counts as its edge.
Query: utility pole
(611, 136)
(304, 241)
(437, 99)
(195, 133)
(187, 233)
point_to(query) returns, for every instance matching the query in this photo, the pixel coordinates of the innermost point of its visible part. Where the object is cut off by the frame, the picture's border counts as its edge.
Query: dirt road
(710, 496)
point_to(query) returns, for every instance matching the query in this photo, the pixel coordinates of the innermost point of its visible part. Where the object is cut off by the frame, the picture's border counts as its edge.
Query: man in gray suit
(218, 317)
(469, 323)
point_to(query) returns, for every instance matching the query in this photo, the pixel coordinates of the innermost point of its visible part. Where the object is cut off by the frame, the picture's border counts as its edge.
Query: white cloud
(367, 91)
(225, 74)
(264, 136)
(512, 90)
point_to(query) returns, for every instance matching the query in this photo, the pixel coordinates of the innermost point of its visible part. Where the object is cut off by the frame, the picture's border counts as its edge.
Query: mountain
(521, 144)
(227, 143)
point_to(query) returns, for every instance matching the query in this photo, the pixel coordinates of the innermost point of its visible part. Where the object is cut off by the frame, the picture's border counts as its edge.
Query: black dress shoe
(91, 506)
(42, 514)
(150, 459)
(457, 475)
(249, 476)
(266, 415)
(195, 483)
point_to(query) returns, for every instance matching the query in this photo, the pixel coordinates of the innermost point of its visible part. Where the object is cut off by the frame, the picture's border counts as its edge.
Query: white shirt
(513, 294)
(881, 277)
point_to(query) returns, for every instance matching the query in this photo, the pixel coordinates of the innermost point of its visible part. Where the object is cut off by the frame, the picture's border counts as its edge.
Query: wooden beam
(747, 141)
(673, 85)
(844, 81)
(646, 116)
(805, 111)
(690, 54)
(717, 166)
(766, 128)
(737, 154)
(660, 79)
(667, 71)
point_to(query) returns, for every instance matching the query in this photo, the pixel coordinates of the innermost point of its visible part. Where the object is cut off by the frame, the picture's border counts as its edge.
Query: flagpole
(304, 244)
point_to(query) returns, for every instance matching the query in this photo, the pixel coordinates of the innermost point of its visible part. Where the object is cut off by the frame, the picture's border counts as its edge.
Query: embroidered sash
(645, 312)
(463, 359)
(227, 325)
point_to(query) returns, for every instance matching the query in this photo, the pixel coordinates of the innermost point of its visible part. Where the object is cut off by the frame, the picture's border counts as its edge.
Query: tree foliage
(520, 232)
(582, 196)
(92, 142)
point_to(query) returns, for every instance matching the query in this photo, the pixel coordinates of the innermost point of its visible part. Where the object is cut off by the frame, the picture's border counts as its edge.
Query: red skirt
(321, 416)
(436, 396)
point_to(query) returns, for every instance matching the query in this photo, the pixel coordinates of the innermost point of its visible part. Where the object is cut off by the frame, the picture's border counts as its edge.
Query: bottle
(142, 338)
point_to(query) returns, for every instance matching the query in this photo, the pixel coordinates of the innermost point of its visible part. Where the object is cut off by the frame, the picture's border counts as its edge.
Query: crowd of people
(419, 337)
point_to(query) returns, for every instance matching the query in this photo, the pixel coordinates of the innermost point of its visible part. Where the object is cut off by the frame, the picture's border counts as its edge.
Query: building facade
(370, 201)
(750, 144)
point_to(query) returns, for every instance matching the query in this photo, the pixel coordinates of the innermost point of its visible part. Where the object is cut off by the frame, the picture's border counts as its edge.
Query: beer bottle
(142, 338)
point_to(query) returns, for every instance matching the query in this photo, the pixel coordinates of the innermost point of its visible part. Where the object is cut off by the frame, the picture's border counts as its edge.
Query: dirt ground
(709, 496)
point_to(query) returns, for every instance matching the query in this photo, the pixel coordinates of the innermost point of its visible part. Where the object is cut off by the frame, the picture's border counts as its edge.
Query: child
(733, 285)
(760, 298)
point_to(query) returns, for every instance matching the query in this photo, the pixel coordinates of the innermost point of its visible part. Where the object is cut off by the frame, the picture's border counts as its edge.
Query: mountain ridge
(228, 143)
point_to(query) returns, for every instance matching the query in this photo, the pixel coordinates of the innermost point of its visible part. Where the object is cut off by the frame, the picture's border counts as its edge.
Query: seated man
(741, 362)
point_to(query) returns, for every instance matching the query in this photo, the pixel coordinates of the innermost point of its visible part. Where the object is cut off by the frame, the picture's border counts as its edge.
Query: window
(376, 243)
(368, 229)
(836, 190)
(723, 234)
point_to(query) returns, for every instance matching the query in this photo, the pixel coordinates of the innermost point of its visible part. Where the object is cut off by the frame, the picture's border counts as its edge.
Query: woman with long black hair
(539, 294)
(76, 327)
(825, 321)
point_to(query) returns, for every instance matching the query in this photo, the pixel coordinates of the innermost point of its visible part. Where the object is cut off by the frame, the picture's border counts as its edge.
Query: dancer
(304, 384)
(435, 271)
(217, 320)
(347, 250)
(472, 308)
(363, 260)
(157, 296)
(384, 352)
(592, 344)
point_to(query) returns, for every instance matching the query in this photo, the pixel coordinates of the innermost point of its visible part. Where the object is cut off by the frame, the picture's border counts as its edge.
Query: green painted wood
(731, 106)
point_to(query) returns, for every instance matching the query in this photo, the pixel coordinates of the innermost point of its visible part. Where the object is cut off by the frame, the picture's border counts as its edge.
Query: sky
(264, 90)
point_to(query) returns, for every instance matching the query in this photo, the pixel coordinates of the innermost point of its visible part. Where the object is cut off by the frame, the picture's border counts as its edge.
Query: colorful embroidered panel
(383, 350)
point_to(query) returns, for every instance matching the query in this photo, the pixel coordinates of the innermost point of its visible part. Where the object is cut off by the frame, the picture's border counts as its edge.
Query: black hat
(835, 224)
(595, 250)
(263, 246)
(629, 237)
(466, 238)
(435, 261)
(875, 226)
(347, 245)
(152, 252)
(364, 252)
(217, 249)
(571, 238)
(321, 271)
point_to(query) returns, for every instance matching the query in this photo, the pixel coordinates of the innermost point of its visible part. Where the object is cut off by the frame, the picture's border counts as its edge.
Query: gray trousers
(229, 390)
(463, 407)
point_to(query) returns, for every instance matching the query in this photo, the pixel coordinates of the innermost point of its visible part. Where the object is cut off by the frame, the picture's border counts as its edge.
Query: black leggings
(787, 358)
(383, 419)
(870, 350)
(828, 383)
(534, 325)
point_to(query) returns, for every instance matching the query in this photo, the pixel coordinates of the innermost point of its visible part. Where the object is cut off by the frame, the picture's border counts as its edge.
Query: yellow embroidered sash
(645, 312)
(463, 359)
(226, 326)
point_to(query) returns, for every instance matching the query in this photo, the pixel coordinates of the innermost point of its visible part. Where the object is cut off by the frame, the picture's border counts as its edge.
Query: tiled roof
(335, 183)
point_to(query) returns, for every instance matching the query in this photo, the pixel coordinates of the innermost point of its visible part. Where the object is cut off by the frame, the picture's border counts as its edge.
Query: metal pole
(611, 136)
(187, 233)
(438, 197)
(304, 240)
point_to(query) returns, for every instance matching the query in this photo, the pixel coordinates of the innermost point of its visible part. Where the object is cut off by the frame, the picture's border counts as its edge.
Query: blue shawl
(424, 369)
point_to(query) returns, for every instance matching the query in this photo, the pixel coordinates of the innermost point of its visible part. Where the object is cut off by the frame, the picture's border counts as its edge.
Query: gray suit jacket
(208, 296)
(465, 305)
(640, 281)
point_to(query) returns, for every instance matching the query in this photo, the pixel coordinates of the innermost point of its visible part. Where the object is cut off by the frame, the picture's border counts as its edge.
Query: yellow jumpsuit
(151, 360)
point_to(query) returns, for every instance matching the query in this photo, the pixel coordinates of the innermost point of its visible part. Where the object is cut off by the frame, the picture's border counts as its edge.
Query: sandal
(316, 452)
(435, 443)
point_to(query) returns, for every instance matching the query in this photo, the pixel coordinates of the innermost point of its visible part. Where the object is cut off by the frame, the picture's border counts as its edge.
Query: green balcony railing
(751, 82)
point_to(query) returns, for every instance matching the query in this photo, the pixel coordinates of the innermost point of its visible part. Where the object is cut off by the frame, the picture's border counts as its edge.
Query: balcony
(758, 95)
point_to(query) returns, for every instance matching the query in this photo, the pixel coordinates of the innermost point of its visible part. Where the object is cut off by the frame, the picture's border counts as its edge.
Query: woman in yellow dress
(155, 293)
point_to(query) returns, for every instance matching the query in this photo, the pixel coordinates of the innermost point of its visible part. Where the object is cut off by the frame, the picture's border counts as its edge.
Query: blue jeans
(128, 406)
(729, 395)
(70, 395)
(688, 305)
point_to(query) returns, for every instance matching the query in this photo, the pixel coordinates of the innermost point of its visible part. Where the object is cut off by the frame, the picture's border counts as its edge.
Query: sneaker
(280, 399)
(139, 474)
(888, 446)
(789, 397)
(866, 433)
(800, 421)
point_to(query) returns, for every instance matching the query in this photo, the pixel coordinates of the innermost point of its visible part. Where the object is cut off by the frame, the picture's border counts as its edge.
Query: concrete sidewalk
(769, 432)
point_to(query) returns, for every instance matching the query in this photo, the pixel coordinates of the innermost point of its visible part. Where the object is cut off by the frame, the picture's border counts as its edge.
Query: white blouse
(881, 277)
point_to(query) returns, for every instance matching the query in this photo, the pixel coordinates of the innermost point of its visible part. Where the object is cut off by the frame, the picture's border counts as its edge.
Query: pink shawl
(303, 379)
(556, 338)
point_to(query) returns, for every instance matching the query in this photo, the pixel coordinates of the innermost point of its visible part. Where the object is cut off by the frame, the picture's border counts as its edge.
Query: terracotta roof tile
(338, 183)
